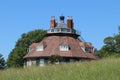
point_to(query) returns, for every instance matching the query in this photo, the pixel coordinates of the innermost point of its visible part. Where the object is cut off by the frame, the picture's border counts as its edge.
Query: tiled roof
(33, 45)
(53, 48)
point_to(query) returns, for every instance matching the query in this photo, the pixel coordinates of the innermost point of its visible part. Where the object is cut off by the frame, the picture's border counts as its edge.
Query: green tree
(16, 55)
(111, 46)
(2, 62)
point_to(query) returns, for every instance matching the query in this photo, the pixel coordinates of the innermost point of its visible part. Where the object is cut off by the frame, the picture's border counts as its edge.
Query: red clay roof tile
(53, 48)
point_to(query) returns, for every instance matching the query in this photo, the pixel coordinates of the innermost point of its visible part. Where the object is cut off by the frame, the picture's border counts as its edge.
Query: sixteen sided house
(61, 39)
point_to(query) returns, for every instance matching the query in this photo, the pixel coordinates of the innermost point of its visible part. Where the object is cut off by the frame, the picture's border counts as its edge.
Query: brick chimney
(70, 22)
(52, 22)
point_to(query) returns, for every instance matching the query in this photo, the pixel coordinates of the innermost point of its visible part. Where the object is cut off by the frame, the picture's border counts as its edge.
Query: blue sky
(95, 19)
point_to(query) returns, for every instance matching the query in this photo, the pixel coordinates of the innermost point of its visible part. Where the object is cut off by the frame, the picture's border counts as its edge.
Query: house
(61, 39)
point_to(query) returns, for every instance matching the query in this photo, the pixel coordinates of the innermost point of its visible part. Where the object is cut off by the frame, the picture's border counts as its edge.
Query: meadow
(105, 69)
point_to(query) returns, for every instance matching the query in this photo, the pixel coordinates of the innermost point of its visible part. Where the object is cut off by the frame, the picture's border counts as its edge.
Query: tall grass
(107, 69)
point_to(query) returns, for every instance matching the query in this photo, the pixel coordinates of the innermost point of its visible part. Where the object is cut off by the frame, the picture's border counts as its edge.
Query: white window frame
(40, 48)
(42, 62)
(29, 62)
(64, 47)
(83, 48)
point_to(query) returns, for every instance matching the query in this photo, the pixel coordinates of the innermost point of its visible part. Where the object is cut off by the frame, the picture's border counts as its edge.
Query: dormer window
(64, 47)
(40, 48)
(85, 49)
(30, 49)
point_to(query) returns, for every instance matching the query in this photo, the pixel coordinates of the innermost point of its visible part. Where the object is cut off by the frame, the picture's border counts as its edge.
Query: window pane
(40, 48)
(64, 47)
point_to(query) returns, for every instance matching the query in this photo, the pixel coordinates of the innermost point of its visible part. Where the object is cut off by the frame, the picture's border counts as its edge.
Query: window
(85, 49)
(52, 30)
(30, 49)
(37, 61)
(42, 62)
(29, 62)
(68, 30)
(40, 48)
(64, 47)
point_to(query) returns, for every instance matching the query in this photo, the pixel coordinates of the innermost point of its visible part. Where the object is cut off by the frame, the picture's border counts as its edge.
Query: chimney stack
(70, 23)
(52, 22)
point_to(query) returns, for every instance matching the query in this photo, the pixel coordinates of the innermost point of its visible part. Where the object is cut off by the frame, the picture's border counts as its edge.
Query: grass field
(106, 69)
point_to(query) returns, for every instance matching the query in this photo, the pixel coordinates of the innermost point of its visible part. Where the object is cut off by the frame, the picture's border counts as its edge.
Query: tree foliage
(2, 62)
(21, 47)
(55, 58)
(111, 46)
